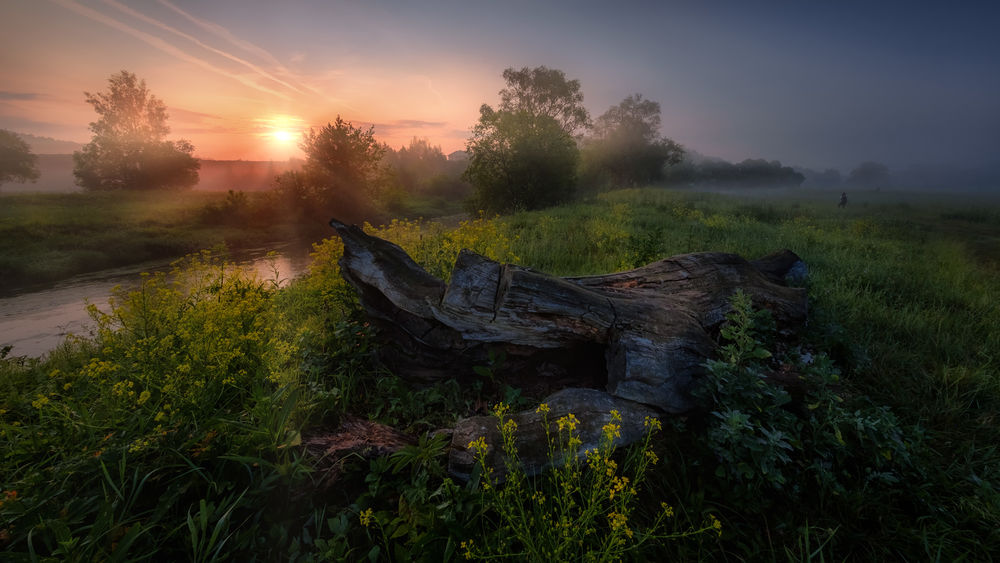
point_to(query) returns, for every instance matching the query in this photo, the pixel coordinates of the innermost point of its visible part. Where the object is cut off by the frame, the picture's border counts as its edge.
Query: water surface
(36, 321)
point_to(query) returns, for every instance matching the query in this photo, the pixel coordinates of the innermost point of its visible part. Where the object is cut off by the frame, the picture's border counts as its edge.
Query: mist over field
(533, 281)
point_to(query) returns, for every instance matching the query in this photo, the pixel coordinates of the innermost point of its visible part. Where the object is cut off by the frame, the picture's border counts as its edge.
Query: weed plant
(175, 433)
(582, 509)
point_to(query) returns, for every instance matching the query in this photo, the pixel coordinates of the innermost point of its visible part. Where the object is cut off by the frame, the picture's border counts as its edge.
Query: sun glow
(283, 136)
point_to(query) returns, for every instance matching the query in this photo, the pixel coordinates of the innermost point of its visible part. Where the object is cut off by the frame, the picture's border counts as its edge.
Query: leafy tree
(523, 155)
(627, 148)
(423, 169)
(544, 91)
(17, 162)
(341, 173)
(128, 149)
(414, 166)
(520, 162)
(869, 175)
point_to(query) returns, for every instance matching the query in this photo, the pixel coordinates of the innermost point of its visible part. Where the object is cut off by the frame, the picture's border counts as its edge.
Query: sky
(816, 84)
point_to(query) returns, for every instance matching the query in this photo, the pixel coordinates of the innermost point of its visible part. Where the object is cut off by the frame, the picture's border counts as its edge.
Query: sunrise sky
(818, 84)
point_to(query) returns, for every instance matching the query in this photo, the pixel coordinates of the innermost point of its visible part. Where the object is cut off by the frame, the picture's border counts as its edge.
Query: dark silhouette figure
(843, 200)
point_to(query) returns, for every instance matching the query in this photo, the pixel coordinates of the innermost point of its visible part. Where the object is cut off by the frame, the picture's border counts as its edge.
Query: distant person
(843, 200)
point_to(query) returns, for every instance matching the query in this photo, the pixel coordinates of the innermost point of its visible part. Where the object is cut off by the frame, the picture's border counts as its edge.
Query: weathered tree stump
(642, 335)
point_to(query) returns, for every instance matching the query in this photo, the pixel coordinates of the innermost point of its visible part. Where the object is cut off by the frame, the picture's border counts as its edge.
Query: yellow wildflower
(612, 431)
(567, 422)
(543, 408)
(501, 409)
(652, 423)
(467, 546)
(716, 523)
(479, 444)
(509, 427)
(365, 517)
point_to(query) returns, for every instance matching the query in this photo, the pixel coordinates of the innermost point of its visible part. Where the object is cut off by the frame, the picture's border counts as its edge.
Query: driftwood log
(640, 336)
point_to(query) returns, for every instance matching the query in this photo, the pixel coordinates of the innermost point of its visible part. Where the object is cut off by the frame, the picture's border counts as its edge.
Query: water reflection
(35, 322)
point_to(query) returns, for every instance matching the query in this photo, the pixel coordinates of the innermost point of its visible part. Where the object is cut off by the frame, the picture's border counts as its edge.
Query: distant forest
(214, 175)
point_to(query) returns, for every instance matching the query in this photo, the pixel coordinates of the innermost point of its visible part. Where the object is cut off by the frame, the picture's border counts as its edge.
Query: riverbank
(33, 323)
(45, 238)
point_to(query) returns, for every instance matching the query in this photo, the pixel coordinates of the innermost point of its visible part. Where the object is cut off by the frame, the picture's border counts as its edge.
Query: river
(34, 322)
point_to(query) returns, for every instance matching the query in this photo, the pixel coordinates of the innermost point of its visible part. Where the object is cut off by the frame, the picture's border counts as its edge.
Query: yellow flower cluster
(716, 524)
(509, 427)
(619, 521)
(618, 485)
(479, 445)
(568, 422)
(653, 424)
(467, 547)
(365, 517)
(500, 410)
(668, 511)
(435, 247)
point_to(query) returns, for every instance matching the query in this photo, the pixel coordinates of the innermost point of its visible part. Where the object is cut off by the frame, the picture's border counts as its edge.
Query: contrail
(225, 34)
(245, 45)
(198, 42)
(164, 45)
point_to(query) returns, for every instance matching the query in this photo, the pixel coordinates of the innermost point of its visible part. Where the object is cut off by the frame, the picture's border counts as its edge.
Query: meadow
(181, 431)
(47, 237)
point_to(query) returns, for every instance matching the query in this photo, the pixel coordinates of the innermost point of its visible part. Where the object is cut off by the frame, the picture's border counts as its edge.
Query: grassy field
(178, 433)
(46, 237)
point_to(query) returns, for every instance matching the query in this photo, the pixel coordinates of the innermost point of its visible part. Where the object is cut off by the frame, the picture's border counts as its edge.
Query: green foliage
(545, 92)
(435, 247)
(128, 150)
(626, 149)
(17, 162)
(581, 509)
(900, 329)
(339, 177)
(47, 237)
(172, 433)
(523, 155)
(836, 444)
(520, 162)
(879, 445)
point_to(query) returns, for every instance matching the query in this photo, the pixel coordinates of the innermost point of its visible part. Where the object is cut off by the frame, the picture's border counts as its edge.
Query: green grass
(904, 295)
(49, 237)
(176, 433)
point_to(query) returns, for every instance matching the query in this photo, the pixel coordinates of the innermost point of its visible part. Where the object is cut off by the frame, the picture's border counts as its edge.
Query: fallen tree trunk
(641, 335)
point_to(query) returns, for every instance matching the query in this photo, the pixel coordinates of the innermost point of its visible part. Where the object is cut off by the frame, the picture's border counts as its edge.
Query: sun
(283, 136)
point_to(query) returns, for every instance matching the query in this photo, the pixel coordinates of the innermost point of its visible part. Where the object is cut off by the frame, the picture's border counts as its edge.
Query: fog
(214, 175)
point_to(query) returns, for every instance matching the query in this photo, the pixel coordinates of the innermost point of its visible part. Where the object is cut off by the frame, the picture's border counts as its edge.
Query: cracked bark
(641, 335)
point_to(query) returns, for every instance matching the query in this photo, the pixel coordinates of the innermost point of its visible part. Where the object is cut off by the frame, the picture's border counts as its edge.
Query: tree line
(538, 147)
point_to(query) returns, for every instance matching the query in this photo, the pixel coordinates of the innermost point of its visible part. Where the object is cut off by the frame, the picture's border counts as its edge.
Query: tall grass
(901, 295)
(177, 432)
